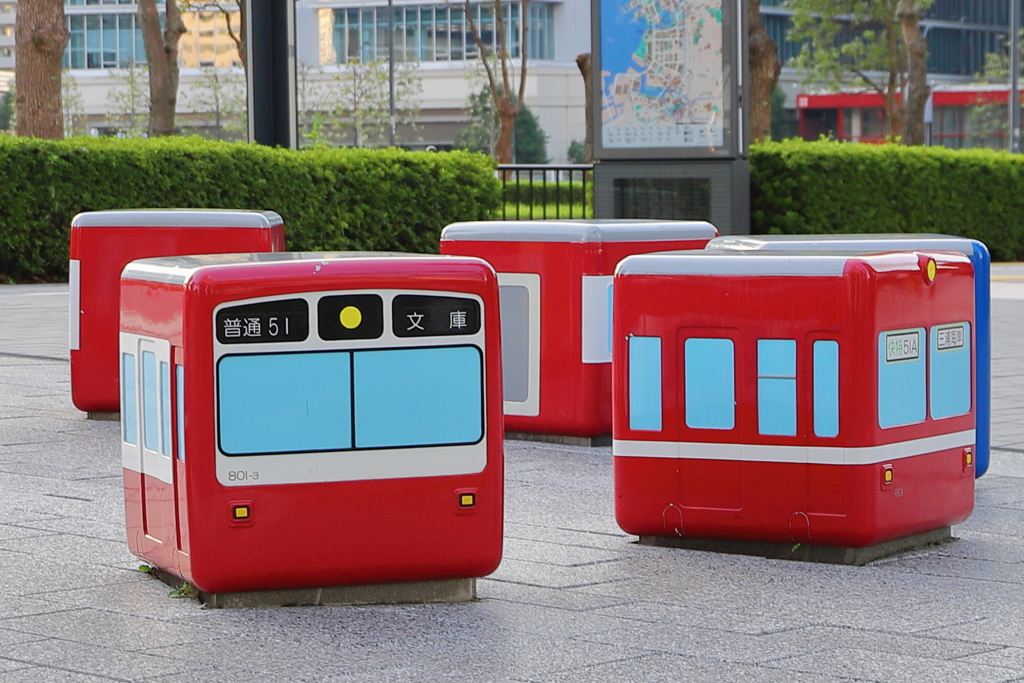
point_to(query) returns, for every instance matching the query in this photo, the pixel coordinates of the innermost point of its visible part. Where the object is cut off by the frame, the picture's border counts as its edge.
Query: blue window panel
(129, 408)
(776, 387)
(418, 397)
(165, 408)
(826, 388)
(284, 403)
(901, 384)
(950, 385)
(776, 406)
(776, 358)
(645, 383)
(150, 403)
(710, 383)
(611, 299)
(179, 385)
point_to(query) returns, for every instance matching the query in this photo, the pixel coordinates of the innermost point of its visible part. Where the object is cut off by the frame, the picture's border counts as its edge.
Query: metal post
(391, 71)
(1014, 99)
(270, 72)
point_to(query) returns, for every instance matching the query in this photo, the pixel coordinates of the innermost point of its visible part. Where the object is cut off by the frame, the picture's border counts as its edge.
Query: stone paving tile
(135, 595)
(516, 530)
(9, 637)
(92, 551)
(669, 668)
(924, 646)
(9, 665)
(993, 629)
(489, 589)
(89, 626)
(558, 554)
(1009, 657)
(45, 674)
(702, 643)
(13, 605)
(223, 674)
(895, 667)
(94, 660)
(474, 654)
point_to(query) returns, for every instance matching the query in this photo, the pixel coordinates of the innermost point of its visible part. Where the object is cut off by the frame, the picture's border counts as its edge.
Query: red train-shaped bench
(793, 398)
(311, 421)
(104, 242)
(556, 297)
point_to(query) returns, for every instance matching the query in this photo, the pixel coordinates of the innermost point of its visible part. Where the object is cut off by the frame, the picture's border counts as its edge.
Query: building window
(8, 30)
(104, 41)
(437, 33)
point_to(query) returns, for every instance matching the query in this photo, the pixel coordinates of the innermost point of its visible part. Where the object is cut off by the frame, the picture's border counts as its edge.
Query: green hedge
(330, 199)
(830, 187)
(395, 200)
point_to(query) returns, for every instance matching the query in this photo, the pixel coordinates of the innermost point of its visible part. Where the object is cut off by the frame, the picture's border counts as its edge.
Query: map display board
(666, 78)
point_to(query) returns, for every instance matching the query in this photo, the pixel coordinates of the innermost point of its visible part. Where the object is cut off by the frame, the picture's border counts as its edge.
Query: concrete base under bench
(419, 592)
(587, 441)
(803, 552)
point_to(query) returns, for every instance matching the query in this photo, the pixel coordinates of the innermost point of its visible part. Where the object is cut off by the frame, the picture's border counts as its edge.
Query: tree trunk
(162, 58)
(506, 103)
(503, 148)
(894, 116)
(42, 34)
(239, 37)
(909, 14)
(583, 62)
(764, 73)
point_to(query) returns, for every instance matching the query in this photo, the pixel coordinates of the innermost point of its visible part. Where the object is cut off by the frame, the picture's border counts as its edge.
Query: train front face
(342, 422)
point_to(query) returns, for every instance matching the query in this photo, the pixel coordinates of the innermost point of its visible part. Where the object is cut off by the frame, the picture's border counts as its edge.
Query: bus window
(129, 409)
(179, 385)
(826, 388)
(645, 383)
(901, 378)
(709, 383)
(284, 403)
(950, 370)
(776, 387)
(165, 408)
(418, 397)
(150, 404)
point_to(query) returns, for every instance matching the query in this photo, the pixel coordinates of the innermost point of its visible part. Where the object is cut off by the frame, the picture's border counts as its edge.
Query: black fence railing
(532, 191)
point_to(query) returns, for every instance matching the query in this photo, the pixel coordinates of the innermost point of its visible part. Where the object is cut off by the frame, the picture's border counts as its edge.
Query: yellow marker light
(467, 500)
(350, 317)
(970, 457)
(931, 269)
(240, 512)
(888, 476)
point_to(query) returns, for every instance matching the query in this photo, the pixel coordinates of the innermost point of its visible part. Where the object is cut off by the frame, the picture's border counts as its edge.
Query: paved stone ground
(574, 599)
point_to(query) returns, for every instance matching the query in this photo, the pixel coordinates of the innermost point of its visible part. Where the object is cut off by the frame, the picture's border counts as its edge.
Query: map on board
(662, 73)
